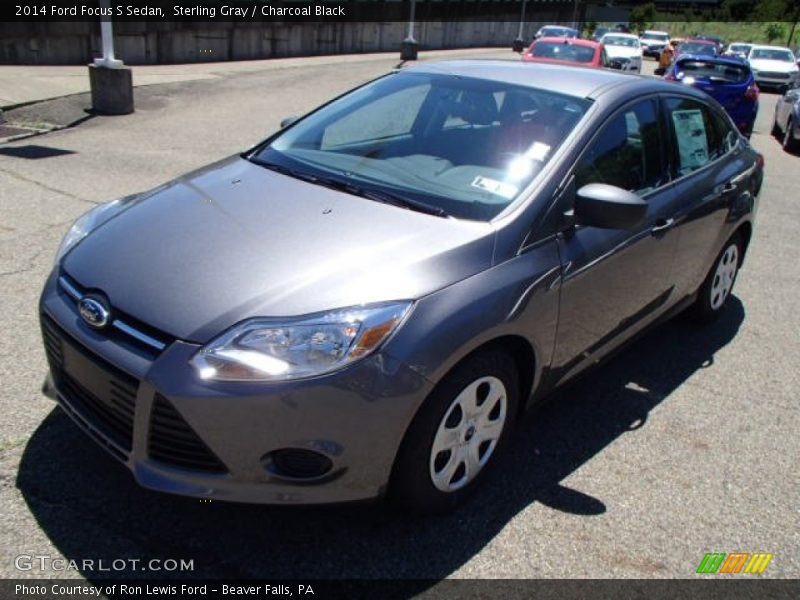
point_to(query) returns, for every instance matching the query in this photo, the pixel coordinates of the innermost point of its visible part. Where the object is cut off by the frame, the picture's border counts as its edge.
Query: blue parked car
(728, 80)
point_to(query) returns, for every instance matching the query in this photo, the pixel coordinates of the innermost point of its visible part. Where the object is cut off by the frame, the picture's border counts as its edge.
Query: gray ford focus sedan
(366, 302)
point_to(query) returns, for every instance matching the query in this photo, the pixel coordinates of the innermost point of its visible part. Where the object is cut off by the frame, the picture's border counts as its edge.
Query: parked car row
(620, 51)
(733, 75)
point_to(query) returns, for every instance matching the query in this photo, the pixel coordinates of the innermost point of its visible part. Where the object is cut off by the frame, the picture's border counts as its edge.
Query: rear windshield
(702, 69)
(768, 54)
(558, 32)
(561, 51)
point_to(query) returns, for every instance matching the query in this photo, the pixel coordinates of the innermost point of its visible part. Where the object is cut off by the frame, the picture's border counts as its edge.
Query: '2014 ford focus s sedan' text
(365, 302)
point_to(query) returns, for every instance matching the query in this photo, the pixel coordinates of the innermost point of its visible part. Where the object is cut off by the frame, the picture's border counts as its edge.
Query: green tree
(738, 10)
(642, 17)
(773, 31)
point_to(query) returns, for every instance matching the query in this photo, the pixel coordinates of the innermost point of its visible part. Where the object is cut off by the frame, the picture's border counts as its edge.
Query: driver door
(614, 282)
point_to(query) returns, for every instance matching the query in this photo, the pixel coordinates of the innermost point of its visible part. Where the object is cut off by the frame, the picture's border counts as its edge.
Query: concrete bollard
(112, 90)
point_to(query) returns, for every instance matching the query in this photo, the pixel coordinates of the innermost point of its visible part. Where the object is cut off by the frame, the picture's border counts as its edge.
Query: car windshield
(698, 48)
(657, 37)
(619, 40)
(716, 72)
(453, 145)
(739, 48)
(769, 54)
(561, 51)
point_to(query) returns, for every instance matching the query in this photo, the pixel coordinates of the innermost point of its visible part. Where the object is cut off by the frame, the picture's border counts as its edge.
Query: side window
(627, 153)
(390, 116)
(727, 134)
(697, 139)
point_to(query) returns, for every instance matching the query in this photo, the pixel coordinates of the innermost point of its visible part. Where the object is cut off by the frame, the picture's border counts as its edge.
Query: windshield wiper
(284, 170)
(350, 188)
(382, 196)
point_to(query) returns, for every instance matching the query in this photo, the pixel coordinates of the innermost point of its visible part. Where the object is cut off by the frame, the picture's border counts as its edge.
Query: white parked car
(623, 50)
(739, 49)
(653, 43)
(773, 66)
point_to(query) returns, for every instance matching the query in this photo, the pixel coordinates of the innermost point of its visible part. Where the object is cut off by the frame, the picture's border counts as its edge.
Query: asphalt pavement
(684, 444)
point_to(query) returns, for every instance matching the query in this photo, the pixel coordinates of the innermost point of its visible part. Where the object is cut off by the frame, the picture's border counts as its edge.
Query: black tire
(412, 485)
(706, 307)
(776, 131)
(789, 143)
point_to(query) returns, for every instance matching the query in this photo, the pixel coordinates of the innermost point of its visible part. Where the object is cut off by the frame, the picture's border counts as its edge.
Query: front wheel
(457, 434)
(717, 287)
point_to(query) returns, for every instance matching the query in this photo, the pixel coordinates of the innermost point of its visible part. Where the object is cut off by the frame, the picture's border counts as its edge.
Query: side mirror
(608, 207)
(288, 121)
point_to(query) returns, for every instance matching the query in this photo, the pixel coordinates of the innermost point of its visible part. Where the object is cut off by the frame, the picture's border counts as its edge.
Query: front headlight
(274, 349)
(90, 221)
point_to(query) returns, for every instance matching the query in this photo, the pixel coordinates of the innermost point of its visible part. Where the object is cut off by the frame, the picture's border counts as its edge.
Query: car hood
(622, 52)
(235, 240)
(778, 66)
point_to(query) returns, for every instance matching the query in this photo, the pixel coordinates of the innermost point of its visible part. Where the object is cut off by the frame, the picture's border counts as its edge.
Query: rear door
(783, 107)
(711, 175)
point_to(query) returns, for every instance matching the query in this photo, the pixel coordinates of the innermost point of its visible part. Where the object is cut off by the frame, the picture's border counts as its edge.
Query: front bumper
(181, 435)
(767, 80)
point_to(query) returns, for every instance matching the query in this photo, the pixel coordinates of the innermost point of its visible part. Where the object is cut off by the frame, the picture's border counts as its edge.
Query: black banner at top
(333, 11)
(252, 11)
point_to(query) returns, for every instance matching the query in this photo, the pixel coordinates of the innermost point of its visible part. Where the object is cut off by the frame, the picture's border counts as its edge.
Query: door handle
(662, 225)
(725, 188)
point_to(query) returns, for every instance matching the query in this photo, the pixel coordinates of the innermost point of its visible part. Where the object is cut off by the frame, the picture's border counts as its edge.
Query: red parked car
(566, 51)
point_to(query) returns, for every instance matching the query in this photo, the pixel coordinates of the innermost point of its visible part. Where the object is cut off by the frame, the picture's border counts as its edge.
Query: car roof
(568, 41)
(700, 41)
(655, 31)
(592, 83)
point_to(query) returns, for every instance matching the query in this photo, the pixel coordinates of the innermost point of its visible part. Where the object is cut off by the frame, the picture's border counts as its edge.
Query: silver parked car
(786, 125)
(366, 301)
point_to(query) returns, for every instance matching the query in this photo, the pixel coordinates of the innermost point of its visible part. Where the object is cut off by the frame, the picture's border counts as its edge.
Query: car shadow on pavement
(90, 507)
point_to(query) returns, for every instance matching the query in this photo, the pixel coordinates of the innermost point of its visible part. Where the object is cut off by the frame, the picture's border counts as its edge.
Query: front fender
(518, 297)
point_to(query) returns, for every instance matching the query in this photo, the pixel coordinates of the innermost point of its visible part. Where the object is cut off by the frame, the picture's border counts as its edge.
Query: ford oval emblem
(94, 312)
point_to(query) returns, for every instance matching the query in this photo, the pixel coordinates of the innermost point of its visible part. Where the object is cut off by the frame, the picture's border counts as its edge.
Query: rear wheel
(789, 143)
(457, 434)
(718, 285)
